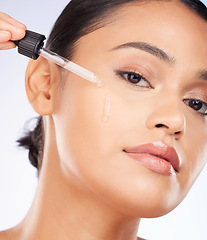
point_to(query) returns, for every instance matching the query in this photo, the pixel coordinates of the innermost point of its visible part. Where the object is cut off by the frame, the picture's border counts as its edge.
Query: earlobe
(41, 81)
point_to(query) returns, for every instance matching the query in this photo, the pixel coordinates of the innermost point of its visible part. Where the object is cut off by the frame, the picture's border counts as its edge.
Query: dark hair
(79, 18)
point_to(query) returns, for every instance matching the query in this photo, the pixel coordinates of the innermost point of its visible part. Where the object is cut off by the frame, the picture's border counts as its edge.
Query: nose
(167, 115)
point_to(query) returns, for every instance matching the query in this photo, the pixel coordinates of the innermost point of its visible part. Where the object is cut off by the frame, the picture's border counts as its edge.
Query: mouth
(156, 156)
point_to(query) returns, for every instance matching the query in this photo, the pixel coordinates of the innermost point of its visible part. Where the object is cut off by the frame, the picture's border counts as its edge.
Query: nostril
(160, 125)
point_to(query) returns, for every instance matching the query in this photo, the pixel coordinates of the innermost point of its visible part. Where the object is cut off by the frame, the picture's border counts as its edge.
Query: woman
(132, 149)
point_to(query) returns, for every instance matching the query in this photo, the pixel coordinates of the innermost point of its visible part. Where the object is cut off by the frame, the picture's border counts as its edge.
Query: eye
(197, 105)
(135, 79)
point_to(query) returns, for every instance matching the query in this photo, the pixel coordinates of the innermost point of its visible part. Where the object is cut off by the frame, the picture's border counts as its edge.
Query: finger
(12, 21)
(5, 36)
(16, 32)
(6, 46)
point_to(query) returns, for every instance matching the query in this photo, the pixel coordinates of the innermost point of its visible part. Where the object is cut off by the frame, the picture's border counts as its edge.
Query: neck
(61, 212)
(65, 209)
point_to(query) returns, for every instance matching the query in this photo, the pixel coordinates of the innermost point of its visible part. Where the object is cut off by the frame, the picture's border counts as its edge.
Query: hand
(10, 29)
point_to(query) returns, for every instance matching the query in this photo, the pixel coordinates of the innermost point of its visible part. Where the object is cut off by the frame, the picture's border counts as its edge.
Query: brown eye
(134, 78)
(197, 105)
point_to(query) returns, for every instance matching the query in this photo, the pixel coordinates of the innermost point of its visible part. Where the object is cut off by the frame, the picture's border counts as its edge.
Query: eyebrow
(203, 75)
(155, 51)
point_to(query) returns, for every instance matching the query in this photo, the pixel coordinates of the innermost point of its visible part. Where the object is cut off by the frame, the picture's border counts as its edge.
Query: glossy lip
(156, 156)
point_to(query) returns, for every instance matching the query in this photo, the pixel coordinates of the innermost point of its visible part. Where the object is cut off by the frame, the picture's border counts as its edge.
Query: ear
(41, 82)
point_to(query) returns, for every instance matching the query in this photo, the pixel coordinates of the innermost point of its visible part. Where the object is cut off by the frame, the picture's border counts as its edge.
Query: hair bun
(34, 141)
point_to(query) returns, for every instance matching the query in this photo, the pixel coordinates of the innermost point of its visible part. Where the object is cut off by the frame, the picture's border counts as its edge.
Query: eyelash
(136, 82)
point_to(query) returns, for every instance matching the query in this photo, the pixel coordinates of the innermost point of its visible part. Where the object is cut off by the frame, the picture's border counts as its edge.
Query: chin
(150, 201)
(148, 209)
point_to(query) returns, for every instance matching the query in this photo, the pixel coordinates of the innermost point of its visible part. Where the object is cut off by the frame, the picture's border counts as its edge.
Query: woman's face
(152, 59)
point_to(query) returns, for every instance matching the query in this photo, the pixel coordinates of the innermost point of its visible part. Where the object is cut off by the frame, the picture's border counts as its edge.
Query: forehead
(166, 24)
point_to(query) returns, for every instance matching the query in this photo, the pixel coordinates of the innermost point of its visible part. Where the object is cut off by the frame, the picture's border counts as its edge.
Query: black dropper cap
(31, 44)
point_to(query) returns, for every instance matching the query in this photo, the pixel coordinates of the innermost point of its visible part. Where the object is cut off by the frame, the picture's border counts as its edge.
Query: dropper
(32, 46)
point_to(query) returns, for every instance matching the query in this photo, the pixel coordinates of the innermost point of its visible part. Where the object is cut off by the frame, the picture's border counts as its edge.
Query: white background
(18, 178)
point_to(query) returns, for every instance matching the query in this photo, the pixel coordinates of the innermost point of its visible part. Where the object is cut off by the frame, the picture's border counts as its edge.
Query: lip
(156, 156)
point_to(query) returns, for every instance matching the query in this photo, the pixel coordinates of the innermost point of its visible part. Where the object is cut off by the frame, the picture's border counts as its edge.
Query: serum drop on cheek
(107, 108)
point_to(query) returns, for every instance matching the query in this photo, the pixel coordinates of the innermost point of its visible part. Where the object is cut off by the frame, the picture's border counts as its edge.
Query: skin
(10, 29)
(87, 181)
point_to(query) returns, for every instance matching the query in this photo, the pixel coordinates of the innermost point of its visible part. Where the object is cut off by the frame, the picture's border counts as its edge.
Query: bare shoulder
(3, 235)
(137, 238)
(8, 235)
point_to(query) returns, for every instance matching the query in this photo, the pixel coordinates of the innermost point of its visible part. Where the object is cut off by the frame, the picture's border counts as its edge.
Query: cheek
(193, 149)
(84, 128)
(90, 124)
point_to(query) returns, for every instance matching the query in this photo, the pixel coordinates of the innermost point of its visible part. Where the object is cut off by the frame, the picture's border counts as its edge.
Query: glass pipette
(32, 46)
(71, 66)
